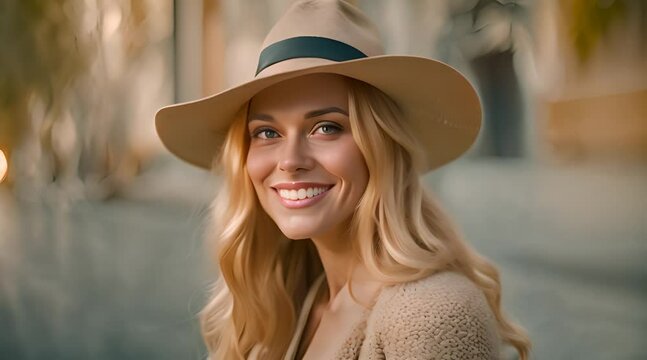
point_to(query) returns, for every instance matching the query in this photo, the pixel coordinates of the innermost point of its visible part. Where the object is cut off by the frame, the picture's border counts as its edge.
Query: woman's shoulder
(439, 289)
(447, 294)
(444, 315)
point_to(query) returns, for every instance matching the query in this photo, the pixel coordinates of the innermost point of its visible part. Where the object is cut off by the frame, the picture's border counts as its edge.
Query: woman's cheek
(258, 164)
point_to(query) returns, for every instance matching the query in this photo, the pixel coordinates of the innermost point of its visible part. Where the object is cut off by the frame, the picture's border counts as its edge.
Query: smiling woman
(328, 244)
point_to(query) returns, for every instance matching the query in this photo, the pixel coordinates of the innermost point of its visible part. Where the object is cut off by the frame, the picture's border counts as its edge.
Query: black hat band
(307, 47)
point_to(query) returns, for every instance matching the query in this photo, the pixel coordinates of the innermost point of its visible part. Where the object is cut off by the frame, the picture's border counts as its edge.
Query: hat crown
(331, 19)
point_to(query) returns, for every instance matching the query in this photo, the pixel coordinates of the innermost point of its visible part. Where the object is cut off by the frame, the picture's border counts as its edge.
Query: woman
(327, 242)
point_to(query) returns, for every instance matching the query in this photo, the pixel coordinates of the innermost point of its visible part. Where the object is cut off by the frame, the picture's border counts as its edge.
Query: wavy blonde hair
(398, 231)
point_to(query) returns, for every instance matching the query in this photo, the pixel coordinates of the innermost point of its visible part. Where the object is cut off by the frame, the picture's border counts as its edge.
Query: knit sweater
(443, 316)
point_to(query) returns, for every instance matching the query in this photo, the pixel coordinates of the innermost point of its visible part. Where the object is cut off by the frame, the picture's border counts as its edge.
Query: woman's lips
(299, 195)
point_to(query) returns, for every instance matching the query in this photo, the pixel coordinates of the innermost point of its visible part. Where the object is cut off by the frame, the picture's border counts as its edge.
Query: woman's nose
(295, 155)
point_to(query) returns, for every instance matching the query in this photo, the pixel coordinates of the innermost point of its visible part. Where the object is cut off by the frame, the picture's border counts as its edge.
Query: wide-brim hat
(331, 36)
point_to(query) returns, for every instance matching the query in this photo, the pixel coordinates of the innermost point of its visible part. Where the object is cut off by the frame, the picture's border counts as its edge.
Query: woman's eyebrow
(309, 114)
(264, 117)
(315, 113)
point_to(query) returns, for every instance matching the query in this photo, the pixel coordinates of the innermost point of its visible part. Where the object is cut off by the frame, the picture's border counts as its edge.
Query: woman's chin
(296, 227)
(296, 234)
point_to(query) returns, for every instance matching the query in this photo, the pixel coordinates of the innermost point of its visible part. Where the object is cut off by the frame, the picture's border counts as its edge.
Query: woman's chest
(327, 334)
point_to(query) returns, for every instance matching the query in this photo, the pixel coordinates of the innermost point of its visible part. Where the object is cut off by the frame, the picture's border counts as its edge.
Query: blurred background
(101, 253)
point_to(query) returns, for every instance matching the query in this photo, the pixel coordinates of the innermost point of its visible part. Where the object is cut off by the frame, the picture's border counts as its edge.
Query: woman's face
(306, 168)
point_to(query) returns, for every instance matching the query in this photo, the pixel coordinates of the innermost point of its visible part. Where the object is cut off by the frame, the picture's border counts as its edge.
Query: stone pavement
(571, 244)
(125, 278)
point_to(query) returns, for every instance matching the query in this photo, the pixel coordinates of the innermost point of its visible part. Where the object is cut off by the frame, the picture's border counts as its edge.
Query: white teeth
(301, 194)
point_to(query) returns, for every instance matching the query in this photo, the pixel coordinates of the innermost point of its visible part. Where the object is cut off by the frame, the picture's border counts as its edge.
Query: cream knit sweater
(443, 316)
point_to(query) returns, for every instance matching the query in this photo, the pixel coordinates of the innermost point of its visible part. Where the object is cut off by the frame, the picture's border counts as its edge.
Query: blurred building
(591, 63)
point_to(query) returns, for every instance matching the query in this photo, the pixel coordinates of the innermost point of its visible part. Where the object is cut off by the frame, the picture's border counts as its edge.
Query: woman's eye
(328, 129)
(266, 134)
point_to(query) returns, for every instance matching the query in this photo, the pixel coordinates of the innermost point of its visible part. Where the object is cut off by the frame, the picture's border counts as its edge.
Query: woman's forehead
(303, 94)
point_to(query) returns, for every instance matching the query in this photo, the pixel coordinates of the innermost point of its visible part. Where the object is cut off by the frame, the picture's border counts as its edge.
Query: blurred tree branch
(42, 56)
(591, 21)
(64, 66)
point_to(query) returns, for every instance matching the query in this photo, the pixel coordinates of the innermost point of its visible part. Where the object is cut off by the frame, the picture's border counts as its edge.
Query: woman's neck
(340, 264)
(337, 264)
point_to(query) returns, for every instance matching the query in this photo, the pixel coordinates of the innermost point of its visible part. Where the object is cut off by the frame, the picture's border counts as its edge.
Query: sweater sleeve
(441, 317)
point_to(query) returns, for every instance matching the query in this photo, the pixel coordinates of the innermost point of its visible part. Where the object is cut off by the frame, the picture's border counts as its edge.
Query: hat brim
(438, 102)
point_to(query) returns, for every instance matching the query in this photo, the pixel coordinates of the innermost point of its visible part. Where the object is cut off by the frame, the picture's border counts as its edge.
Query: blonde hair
(398, 231)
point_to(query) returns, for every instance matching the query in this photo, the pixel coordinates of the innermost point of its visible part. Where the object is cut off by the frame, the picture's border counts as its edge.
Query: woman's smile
(299, 195)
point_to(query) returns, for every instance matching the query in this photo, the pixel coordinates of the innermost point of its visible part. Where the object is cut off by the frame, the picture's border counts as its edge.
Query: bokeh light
(3, 166)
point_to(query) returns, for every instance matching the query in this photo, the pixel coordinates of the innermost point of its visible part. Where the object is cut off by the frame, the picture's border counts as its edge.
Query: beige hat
(332, 36)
